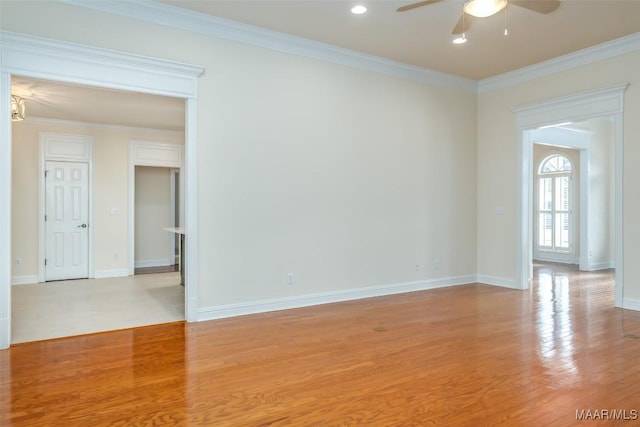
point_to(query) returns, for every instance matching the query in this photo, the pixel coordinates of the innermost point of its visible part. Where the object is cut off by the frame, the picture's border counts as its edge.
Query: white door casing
(66, 220)
(64, 149)
(33, 56)
(607, 101)
(154, 154)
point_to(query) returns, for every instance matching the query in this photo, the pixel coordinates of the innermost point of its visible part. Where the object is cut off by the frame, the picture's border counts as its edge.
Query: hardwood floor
(470, 355)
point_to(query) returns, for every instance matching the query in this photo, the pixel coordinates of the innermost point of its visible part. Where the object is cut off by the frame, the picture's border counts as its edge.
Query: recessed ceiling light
(358, 9)
(460, 40)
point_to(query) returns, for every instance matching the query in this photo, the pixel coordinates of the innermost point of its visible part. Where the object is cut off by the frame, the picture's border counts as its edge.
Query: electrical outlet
(116, 256)
(290, 279)
(18, 261)
(436, 264)
(417, 267)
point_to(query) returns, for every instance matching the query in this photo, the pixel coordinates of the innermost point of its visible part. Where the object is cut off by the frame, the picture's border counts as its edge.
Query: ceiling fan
(483, 8)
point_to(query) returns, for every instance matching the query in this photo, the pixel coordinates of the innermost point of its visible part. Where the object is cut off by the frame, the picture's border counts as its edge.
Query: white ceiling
(420, 37)
(62, 101)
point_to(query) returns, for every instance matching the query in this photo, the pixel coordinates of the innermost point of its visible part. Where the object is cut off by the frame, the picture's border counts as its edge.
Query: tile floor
(74, 307)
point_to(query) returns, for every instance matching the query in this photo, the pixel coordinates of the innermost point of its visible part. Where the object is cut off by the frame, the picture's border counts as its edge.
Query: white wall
(601, 200)
(111, 151)
(153, 245)
(344, 177)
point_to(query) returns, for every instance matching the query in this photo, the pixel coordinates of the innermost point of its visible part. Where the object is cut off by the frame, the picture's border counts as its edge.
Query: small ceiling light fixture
(484, 8)
(17, 108)
(462, 39)
(358, 9)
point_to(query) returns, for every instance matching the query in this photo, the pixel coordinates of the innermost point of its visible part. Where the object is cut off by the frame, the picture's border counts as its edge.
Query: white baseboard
(254, 307)
(600, 266)
(24, 280)
(153, 263)
(497, 281)
(631, 303)
(103, 274)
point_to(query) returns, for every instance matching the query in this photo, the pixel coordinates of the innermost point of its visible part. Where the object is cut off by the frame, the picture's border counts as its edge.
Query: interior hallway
(74, 307)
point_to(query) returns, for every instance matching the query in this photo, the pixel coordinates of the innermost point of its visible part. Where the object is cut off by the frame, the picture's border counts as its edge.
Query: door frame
(607, 101)
(576, 140)
(63, 147)
(50, 59)
(154, 154)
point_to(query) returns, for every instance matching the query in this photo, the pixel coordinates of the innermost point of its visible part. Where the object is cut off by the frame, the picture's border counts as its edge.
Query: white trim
(105, 274)
(188, 20)
(190, 211)
(42, 58)
(5, 208)
(497, 281)
(155, 154)
(48, 141)
(79, 64)
(611, 49)
(608, 101)
(263, 306)
(599, 266)
(572, 108)
(100, 126)
(24, 280)
(631, 304)
(154, 262)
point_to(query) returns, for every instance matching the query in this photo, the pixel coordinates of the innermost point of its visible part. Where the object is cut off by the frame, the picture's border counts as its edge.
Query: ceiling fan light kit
(484, 8)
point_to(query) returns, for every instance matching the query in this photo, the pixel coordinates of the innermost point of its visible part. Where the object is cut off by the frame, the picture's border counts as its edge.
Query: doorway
(31, 56)
(606, 102)
(157, 208)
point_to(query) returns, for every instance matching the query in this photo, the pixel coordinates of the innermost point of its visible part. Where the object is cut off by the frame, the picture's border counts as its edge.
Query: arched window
(554, 204)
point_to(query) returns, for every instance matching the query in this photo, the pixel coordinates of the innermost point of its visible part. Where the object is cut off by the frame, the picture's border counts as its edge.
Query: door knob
(82, 226)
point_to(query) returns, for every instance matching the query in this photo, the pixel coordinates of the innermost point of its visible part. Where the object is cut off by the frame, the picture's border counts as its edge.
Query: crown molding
(188, 20)
(19, 52)
(611, 49)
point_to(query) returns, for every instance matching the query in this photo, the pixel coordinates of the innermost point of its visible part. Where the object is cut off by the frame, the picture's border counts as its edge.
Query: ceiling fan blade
(463, 25)
(540, 6)
(416, 5)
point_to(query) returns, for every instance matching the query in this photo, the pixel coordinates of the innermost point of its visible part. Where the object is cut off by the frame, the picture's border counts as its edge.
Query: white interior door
(66, 220)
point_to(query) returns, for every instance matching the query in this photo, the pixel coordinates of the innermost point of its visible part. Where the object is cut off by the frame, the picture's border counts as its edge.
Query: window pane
(562, 231)
(545, 229)
(546, 194)
(556, 164)
(562, 193)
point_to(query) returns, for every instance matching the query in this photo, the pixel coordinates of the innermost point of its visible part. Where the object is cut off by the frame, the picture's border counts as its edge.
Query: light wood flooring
(473, 355)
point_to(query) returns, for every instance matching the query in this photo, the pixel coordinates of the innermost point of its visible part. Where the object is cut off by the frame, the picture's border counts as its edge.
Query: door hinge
(46, 172)
(45, 261)
(45, 217)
